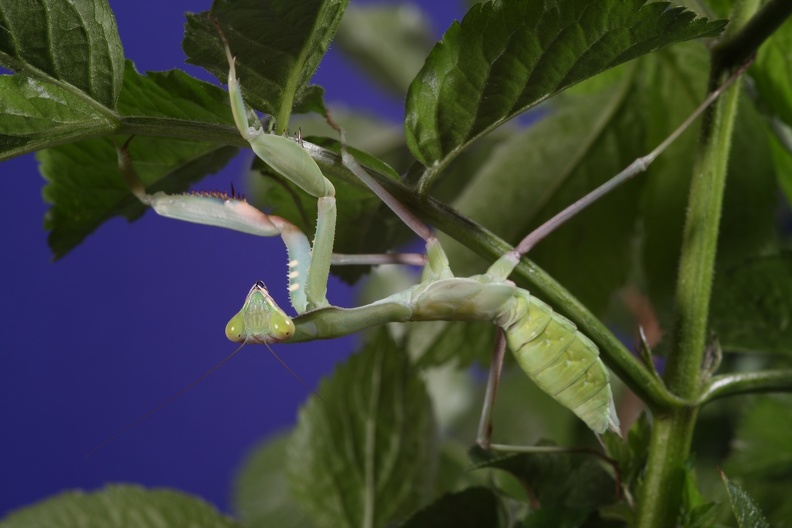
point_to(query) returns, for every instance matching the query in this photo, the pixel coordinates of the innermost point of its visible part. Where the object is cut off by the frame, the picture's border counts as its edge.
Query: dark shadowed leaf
(119, 507)
(278, 46)
(261, 491)
(471, 508)
(509, 55)
(363, 456)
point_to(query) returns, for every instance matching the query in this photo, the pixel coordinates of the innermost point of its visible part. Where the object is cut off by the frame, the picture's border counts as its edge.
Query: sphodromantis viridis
(548, 347)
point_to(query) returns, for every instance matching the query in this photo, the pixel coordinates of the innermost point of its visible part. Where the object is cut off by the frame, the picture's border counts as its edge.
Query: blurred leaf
(747, 513)
(459, 343)
(507, 56)
(119, 507)
(751, 308)
(570, 480)
(772, 71)
(762, 446)
(538, 172)
(471, 508)
(278, 46)
(73, 45)
(365, 453)
(85, 187)
(390, 41)
(261, 491)
(781, 143)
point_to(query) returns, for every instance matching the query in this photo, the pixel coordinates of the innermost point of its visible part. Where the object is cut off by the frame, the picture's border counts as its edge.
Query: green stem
(672, 433)
(746, 383)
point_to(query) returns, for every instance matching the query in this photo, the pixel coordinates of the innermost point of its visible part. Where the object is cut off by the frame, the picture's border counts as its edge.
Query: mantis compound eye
(235, 329)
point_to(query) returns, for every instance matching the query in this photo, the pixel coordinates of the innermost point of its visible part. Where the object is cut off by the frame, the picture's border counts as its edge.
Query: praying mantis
(548, 347)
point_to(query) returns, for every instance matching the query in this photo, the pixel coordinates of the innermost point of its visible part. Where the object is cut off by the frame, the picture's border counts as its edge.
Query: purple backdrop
(136, 313)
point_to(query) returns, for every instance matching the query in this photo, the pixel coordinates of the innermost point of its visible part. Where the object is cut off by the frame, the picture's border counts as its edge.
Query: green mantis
(548, 347)
(551, 351)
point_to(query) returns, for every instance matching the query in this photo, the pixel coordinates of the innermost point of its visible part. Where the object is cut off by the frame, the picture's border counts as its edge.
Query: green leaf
(173, 94)
(458, 342)
(261, 491)
(278, 46)
(56, 89)
(782, 158)
(752, 305)
(747, 513)
(471, 508)
(508, 55)
(390, 42)
(119, 507)
(363, 455)
(86, 189)
(74, 45)
(84, 185)
(772, 71)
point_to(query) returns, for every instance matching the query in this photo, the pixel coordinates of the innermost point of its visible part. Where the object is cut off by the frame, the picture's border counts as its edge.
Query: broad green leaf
(752, 305)
(745, 510)
(261, 491)
(390, 42)
(773, 70)
(471, 508)
(119, 507)
(508, 55)
(363, 455)
(84, 185)
(69, 67)
(173, 94)
(74, 45)
(460, 343)
(86, 189)
(571, 480)
(278, 46)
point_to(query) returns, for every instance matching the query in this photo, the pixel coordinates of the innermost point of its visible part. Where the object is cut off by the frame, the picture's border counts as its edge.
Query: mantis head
(260, 320)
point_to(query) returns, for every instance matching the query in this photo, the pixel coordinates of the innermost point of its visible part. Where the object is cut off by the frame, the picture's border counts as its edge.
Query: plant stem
(747, 382)
(672, 432)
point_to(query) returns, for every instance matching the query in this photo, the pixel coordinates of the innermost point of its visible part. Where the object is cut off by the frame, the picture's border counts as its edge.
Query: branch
(746, 383)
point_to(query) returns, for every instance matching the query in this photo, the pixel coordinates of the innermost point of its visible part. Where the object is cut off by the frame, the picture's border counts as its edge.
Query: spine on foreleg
(560, 360)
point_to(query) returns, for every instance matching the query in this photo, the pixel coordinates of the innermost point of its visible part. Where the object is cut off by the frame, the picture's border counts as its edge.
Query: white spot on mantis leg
(294, 274)
(293, 263)
(293, 287)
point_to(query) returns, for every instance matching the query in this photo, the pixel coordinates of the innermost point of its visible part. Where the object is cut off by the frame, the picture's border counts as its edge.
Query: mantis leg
(484, 435)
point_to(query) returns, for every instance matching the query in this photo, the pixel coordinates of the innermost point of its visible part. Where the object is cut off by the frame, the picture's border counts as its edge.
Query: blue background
(137, 312)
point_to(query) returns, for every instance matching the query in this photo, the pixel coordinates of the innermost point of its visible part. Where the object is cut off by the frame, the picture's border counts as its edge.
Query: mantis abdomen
(548, 347)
